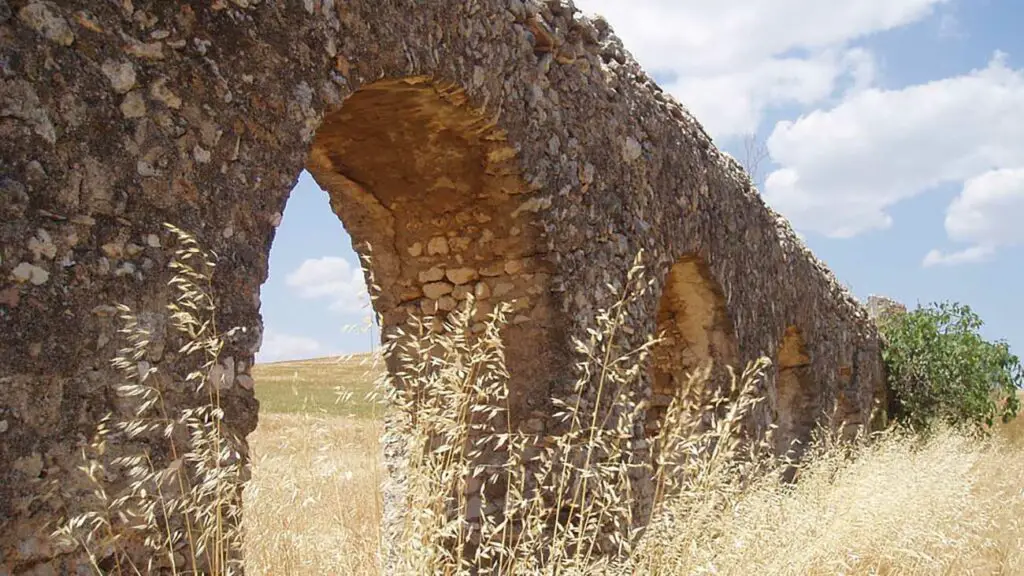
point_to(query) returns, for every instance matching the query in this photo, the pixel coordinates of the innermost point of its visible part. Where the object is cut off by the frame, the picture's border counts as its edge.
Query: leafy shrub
(940, 368)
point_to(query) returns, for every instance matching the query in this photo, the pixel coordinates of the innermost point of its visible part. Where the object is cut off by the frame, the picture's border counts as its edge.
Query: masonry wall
(523, 119)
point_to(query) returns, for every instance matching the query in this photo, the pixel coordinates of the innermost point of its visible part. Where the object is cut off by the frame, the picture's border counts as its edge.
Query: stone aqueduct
(508, 148)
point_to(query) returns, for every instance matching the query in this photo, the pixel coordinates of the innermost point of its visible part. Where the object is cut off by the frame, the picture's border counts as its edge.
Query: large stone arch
(431, 192)
(117, 117)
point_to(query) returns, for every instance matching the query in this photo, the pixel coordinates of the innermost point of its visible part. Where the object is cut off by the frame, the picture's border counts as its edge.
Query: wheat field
(947, 506)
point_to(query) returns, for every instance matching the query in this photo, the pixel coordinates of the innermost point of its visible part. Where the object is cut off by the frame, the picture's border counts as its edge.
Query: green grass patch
(335, 386)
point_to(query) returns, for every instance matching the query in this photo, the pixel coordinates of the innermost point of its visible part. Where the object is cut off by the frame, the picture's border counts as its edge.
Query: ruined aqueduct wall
(509, 148)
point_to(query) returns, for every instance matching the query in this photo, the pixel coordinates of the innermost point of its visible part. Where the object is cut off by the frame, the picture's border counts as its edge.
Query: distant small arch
(798, 402)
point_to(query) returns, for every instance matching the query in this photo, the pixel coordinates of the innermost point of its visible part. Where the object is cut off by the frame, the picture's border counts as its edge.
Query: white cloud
(733, 60)
(841, 169)
(332, 278)
(990, 209)
(713, 36)
(277, 346)
(733, 103)
(987, 214)
(950, 26)
(970, 255)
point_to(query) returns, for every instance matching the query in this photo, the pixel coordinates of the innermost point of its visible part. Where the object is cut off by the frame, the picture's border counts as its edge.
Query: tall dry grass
(892, 504)
(950, 505)
(561, 504)
(898, 505)
(1014, 429)
(313, 505)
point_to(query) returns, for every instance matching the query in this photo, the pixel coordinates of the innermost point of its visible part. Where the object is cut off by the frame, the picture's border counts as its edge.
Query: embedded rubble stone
(435, 290)
(461, 275)
(433, 275)
(514, 150)
(46, 19)
(437, 246)
(133, 105)
(120, 74)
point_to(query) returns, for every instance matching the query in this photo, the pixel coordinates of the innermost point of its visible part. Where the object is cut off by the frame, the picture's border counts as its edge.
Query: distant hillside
(328, 385)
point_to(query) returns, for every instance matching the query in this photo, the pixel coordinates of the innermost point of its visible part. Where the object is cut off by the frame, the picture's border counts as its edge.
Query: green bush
(940, 368)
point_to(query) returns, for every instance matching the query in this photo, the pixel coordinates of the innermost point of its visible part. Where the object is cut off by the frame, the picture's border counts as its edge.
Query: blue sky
(896, 133)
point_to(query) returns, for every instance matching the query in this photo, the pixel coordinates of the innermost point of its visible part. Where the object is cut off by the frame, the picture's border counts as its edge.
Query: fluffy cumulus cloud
(731, 61)
(986, 215)
(334, 279)
(277, 346)
(842, 168)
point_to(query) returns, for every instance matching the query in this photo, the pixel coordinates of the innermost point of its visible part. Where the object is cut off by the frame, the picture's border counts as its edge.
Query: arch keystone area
(512, 147)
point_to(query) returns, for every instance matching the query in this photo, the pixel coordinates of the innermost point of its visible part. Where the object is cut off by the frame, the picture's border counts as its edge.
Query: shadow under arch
(696, 331)
(798, 402)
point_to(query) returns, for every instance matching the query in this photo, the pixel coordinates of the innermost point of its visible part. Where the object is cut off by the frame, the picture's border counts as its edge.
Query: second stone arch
(696, 332)
(798, 399)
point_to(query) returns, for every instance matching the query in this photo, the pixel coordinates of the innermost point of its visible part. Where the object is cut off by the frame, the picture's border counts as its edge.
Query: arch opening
(797, 401)
(430, 191)
(431, 194)
(696, 332)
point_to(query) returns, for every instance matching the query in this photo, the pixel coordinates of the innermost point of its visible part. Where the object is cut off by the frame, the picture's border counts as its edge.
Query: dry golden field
(948, 506)
(313, 504)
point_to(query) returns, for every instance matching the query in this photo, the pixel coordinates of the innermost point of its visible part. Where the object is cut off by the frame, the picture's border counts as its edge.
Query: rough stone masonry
(509, 149)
